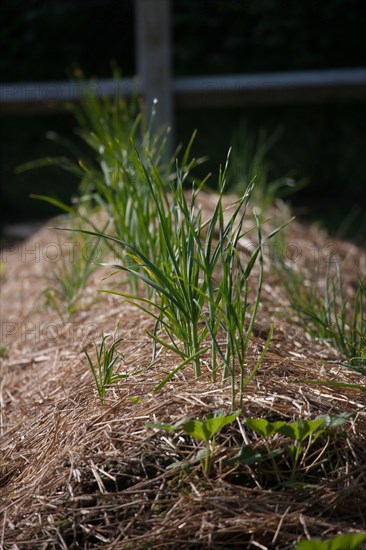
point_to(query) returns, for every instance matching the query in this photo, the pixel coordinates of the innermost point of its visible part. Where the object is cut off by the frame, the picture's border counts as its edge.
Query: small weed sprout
(106, 357)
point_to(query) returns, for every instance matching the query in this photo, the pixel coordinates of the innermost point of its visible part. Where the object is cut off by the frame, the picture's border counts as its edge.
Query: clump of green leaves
(106, 357)
(183, 274)
(199, 280)
(204, 430)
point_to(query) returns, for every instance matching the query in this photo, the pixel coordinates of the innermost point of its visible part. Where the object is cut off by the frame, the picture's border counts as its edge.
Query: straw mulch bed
(78, 474)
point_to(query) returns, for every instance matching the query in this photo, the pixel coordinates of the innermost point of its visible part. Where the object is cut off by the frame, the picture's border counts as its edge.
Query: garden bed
(76, 473)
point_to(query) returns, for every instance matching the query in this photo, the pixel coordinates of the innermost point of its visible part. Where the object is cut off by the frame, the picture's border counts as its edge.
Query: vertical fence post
(153, 50)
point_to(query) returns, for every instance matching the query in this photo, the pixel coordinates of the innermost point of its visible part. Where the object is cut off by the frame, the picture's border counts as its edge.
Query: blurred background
(317, 138)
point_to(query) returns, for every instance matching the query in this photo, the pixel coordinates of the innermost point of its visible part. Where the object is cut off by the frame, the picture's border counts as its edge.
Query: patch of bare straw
(75, 474)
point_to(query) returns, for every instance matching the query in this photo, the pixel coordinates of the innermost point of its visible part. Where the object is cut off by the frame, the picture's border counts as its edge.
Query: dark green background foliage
(45, 40)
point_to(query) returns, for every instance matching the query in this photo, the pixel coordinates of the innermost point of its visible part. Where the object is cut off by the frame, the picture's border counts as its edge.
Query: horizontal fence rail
(270, 88)
(195, 92)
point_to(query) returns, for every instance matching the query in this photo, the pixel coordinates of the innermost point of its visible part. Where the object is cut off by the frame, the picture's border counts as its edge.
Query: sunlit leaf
(205, 430)
(262, 427)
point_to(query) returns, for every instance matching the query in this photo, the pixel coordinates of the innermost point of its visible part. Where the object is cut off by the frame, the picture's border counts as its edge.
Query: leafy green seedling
(203, 430)
(298, 431)
(106, 358)
(346, 541)
(3, 352)
(246, 455)
(263, 427)
(302, 429)
(334, 421)
(266, 429)
(249, 456)
(206, 430)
